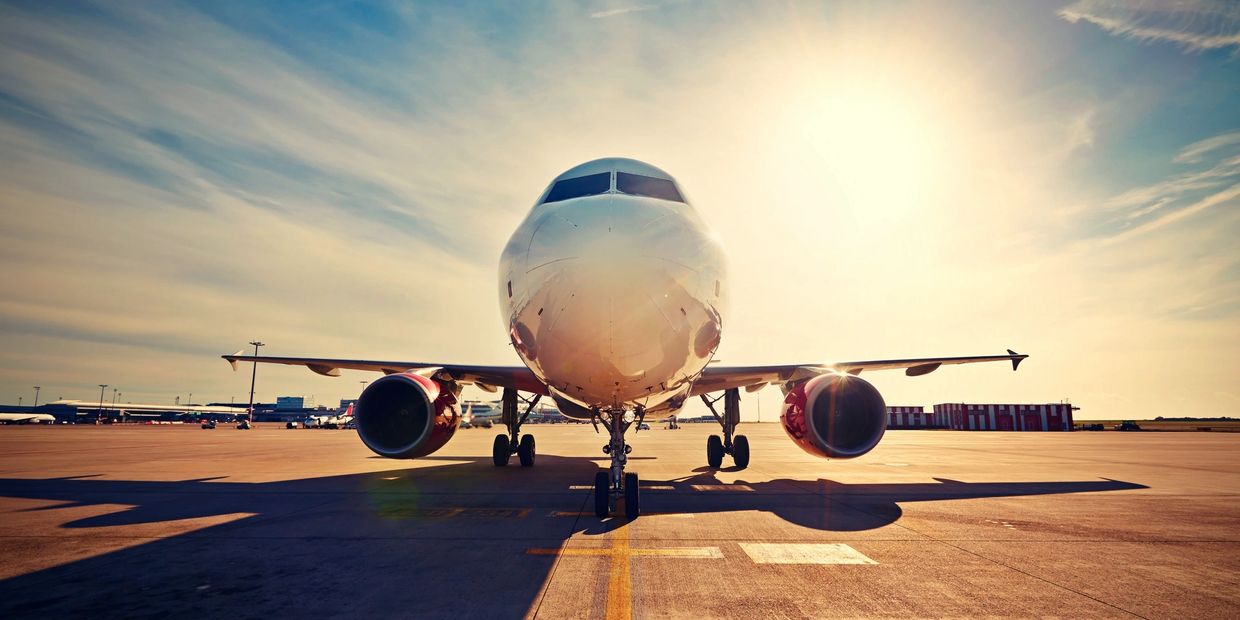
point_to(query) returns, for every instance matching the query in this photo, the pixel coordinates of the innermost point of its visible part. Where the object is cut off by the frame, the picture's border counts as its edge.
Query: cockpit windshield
(588, 185)
(638, 185)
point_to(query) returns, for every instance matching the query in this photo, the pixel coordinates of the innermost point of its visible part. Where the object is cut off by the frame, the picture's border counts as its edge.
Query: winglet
(233, 362)
(1017, 358)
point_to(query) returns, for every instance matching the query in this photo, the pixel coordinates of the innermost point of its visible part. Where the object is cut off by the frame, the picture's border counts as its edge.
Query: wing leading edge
(486, 377)
(726, 377)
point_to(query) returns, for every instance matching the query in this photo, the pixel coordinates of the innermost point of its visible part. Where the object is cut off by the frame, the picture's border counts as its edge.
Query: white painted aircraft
(330, 420)
(613, 291)
(27, 418)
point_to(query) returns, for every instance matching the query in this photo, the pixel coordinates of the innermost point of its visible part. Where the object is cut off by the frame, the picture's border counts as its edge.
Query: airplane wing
(486, 377)
(716, 378)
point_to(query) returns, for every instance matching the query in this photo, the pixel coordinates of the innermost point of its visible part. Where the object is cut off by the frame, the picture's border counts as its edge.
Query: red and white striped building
(904, 416)
(966, 417)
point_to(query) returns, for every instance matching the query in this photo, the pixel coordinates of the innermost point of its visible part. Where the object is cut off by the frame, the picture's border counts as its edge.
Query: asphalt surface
(151, 521)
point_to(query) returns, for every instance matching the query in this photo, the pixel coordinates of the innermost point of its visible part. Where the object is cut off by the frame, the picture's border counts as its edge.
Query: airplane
(330, 421)
(614, 291)
(478, 413)
(27, 418)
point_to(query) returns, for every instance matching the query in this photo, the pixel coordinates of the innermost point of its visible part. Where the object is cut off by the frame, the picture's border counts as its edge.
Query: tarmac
(151, 521)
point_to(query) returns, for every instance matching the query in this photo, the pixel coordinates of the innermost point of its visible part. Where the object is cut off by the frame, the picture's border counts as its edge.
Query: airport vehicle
(244, 425)
(208, 425)
(1128, 425)
(27, 418)
(614, 292)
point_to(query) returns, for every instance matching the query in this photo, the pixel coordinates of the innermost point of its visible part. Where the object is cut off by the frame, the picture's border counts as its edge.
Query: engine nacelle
(835, 416)
(405, 416)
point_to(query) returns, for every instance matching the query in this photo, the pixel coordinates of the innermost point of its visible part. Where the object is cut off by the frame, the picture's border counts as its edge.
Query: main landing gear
(737, 446)
(507, 445)
(612, 484)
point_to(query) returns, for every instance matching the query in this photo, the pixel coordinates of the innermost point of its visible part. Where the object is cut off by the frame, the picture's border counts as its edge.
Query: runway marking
(804, 553)
(619, 575)
(694, 553)
(722, 487)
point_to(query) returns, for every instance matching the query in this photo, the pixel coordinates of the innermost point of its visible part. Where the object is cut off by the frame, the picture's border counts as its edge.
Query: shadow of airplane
(444, 539)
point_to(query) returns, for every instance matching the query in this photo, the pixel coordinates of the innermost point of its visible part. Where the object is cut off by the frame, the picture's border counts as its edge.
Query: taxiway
(151, 521)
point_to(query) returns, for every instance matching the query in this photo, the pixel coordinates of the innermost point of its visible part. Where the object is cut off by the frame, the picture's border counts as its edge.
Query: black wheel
(500, 451)
(740, 451)
(714, 451)
(602, 494)
(632, 496)
(526, 451)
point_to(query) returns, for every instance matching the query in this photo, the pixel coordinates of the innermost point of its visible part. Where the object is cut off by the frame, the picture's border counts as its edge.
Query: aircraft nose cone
(619, 299)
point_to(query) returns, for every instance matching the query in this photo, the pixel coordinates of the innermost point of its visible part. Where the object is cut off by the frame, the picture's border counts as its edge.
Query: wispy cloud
(621, 10)
(1193, 24)
(1194, 152)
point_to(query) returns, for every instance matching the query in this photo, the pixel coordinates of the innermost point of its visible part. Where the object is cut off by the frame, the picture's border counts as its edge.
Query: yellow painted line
(722, 487)
(619, 581)
(804, 553)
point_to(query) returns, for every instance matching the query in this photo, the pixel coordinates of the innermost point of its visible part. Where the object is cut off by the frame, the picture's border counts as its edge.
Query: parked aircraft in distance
(27, 418)
(614, 292)
(331, 420)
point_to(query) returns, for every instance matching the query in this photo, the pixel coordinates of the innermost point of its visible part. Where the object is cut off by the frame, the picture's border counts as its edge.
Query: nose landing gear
(738, 447)
(507, 445)
(612, 484)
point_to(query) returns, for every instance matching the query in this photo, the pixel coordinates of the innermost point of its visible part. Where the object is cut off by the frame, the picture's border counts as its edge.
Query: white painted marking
(722, 487)
(804, 553)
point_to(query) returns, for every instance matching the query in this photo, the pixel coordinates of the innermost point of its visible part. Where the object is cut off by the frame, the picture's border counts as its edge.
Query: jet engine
(405, 416)
(834, 416)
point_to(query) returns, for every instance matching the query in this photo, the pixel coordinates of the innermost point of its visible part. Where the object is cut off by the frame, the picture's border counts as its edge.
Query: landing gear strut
(613, 483)
(507, 445)
(737, 446)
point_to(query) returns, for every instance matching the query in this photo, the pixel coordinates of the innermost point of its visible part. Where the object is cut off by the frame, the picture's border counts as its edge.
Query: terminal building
(983, 417)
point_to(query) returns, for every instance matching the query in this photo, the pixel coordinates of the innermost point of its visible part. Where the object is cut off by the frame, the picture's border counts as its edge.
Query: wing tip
(232, 359)
(1017, 358)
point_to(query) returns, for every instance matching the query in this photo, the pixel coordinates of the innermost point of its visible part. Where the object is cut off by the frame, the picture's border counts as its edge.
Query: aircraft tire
(602, 495)
(740, 451)
(526, 451)
(632, 496)
(714, 452)
(500, 451)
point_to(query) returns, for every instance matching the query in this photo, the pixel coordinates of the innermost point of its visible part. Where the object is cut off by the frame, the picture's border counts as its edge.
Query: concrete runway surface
(151, 521)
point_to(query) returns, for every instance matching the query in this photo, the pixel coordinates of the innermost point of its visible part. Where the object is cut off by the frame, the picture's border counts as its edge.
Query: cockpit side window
(639, 185)
(588, 185)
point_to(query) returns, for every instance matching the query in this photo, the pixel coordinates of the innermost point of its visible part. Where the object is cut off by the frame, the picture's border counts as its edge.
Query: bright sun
(870, 148)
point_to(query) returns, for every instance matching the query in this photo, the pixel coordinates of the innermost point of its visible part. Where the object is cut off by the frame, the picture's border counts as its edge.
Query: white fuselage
(614, 300)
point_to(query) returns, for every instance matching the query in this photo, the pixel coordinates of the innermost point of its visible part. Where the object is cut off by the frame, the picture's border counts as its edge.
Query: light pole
(249, 411)
(99, 415)
(19, 401)
(113, 398)
(36, 395)
(191, 399)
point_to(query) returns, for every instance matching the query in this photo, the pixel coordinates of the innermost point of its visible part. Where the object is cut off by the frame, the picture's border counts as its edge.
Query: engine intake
(405, 416)
(835, 416)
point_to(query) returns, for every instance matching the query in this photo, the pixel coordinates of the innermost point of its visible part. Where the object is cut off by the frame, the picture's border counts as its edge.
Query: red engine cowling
(404, 416)
(835, 416)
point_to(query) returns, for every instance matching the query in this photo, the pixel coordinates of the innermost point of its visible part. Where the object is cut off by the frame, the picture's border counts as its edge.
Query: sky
(891, 179)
